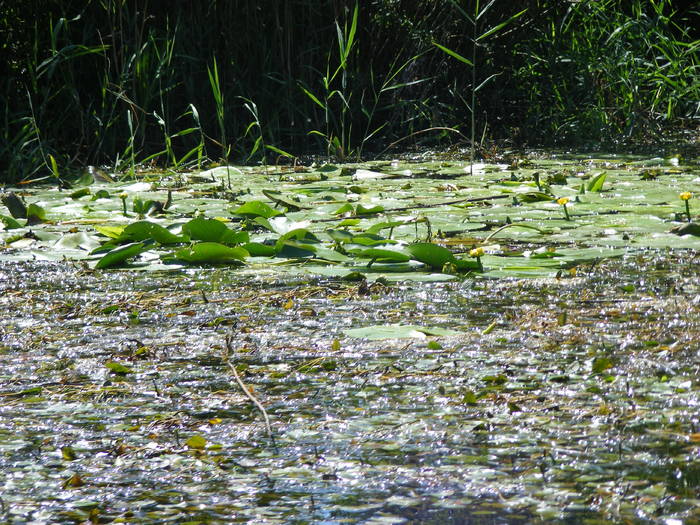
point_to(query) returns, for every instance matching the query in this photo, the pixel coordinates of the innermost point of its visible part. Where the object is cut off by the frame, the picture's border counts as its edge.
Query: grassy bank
(106, 83)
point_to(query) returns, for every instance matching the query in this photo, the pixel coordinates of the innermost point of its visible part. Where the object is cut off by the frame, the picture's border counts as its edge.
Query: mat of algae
(567, 396)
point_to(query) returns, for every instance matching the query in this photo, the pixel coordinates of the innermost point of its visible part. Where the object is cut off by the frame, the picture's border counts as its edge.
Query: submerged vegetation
(95, 83)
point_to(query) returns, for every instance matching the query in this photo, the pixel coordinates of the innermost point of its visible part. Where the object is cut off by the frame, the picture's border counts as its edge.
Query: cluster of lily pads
(333, 220)
(204, 240)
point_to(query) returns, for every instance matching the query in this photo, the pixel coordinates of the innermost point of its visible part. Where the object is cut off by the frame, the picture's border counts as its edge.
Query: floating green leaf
(601, 364)
(113, 232)
(362, 210)
(213, 230)
(119, 255)
(196, 442)
(211, 252)
(258, 249)
(253, 209)
(431, 254)
(118, 368)
(9, 222)
(283, 200)
(14, 204)
(535, 196)
(295, 250)
(145, 230)
(436, 257)
(345, 208)
(396, 331)
(380, 254)
(82, 192)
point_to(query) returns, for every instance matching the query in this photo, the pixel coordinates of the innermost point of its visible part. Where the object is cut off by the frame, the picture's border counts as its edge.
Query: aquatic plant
(478, 35)
(563, 201)
(685, 197)
(360, 76)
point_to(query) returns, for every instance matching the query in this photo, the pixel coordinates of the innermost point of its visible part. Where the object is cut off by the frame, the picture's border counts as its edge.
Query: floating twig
(245, 390)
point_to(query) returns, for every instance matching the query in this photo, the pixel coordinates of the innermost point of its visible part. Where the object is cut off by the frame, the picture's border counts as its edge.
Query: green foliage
(112, 82)
(119, 255)
(608, 71)
(211, 253)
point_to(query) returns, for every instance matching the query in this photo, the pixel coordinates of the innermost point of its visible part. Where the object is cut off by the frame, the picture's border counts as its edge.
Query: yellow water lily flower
(563, 201)
(476, 252)
(685, 197)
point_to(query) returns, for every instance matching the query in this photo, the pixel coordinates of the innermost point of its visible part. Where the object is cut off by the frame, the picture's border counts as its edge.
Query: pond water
(558, 383)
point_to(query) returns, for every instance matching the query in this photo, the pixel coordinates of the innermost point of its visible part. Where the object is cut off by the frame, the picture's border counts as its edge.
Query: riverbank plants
(111, 83)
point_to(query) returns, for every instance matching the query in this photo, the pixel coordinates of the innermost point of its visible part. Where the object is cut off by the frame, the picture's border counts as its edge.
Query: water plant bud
(686, 196)
(476, 252)
(563, 201)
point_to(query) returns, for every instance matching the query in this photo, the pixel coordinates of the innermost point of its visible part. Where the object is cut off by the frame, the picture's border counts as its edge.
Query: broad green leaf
(345, 208)
(118, 368)
(14, 204)
(119, 255)
(9, 222)
(348, 222)
(212, 230)
(535, 196)
(601, 364)
(361, 210)
(369, 239)
(196, 442)
(321, 252)
(376, 228)
(596, 183)
(211, 252)
(340, 236)
(395, 331)
(689, 228)
(256, 209)
(82, 192)
(145, 230)
(301, 235)
(431, 254)
(285, 201)
(467, 265)
(436, 257)
(113, 232)
(258, 249)
(100, 194)
(35, 214)
(380, 254)
(262, 221)
(295, 250)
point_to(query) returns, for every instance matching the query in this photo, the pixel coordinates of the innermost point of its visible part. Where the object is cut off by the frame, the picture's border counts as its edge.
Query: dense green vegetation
(106, 82)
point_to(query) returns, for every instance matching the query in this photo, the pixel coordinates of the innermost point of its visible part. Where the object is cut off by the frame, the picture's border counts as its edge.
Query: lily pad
(122, 254)
(253, 209)
(213, 230)
(211, 252)
(398, 331)
(145, 230)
